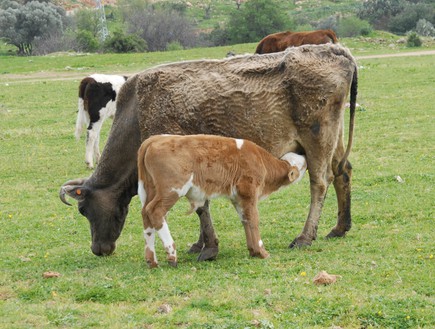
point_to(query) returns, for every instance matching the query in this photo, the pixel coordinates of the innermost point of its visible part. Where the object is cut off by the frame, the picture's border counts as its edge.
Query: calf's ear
(293, 174)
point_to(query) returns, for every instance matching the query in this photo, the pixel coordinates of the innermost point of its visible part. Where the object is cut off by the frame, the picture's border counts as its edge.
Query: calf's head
(105, 211)
(298, 166)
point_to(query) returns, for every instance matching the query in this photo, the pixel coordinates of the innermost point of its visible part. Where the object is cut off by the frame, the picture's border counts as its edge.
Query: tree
(379, 12)
(21, 24)
(255, 20)
(160, 27)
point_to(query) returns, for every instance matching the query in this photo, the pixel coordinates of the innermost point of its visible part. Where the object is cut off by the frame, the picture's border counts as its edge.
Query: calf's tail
(353, 94)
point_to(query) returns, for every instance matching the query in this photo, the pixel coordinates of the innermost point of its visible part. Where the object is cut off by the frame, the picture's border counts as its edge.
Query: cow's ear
(293, 174)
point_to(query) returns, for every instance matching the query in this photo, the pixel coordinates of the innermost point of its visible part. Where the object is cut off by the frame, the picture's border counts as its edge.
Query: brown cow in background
(279, 41)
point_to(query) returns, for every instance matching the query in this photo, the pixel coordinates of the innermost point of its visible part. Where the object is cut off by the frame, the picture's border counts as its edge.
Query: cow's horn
(62, 193)
(68, 187)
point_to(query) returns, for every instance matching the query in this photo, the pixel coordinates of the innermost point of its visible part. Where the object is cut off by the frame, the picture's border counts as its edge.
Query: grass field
(386, 262)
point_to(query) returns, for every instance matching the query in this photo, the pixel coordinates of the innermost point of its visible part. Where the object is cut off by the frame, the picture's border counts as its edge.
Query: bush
(413, 40)
(174, 45)
(425, 28)
(352, 27)
(325, 24)
(122, 43)
(86, 41)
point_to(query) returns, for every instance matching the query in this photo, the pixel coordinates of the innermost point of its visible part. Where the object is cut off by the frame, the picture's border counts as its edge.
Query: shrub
(122, 43)
(425, 28)
(352, 27)
(413, 40)
(174, 45)
(86, 41)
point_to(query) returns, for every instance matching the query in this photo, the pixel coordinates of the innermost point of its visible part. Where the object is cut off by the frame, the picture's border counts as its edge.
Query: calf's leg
(246, 206)
(156, 211)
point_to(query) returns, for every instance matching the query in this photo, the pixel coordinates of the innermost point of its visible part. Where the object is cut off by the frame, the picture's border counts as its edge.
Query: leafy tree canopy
(255, 20)
(21, 24)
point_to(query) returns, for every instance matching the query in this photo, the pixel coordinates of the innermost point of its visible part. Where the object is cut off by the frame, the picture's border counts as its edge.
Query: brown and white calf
(201, 167)
(97, 102)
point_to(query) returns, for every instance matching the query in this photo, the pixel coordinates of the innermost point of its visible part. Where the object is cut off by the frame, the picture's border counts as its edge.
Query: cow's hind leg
(90, 142)
(208, 244)
(342, 185)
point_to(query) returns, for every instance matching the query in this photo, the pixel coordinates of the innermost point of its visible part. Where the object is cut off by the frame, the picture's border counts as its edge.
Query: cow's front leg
(318, 187)
(207, 244)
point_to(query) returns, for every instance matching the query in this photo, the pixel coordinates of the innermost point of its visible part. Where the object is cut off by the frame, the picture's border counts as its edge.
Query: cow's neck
(117, 170)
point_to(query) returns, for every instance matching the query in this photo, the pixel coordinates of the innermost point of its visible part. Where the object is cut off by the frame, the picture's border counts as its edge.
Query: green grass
(386, 261)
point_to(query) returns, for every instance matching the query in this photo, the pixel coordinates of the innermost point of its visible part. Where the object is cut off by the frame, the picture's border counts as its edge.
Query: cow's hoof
(300, 242)
(195, 248)
(335, 234)
(208, 254)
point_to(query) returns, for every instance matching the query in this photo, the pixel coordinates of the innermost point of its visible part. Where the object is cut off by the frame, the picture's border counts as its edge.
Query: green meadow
(386, 261)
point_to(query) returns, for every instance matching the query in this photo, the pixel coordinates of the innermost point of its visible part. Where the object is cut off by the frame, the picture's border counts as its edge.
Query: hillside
(207, 14)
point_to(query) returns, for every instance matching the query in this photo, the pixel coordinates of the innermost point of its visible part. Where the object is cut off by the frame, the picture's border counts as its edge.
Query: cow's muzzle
(103, 249)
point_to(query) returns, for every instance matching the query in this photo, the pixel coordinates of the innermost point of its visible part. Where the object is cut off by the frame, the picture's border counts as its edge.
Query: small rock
(399, 179)
(324, 278)
(164, 309)
(50, 274)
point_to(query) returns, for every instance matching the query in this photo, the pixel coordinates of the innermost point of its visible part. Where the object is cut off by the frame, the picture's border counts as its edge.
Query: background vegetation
(43, 26)
(385, 262)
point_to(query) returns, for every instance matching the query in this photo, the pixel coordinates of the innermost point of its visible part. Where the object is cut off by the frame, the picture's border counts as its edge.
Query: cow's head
(105, 211)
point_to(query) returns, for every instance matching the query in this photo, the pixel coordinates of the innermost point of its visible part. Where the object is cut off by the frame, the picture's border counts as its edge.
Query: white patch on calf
(260, 243)
(296, 160)
(168, 242)
(239, 143)
(185, 188)
(141, 192)
(150, 238)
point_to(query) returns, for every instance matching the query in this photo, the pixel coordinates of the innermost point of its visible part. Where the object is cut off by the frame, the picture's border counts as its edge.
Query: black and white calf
(97, 102)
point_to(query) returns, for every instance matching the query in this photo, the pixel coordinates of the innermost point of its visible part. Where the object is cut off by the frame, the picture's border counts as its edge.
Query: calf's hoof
(300, 242)
(260, 254)
(208, 254)
(173, 263)
(152, 264)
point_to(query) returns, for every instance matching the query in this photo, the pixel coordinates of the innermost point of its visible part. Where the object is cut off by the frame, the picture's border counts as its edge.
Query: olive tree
(21, 24)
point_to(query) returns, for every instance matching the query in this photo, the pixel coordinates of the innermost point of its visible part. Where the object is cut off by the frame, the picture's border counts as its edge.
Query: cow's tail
(81, 119)
(141, 173)
(82, 115)
(353, 94)
(141, 160)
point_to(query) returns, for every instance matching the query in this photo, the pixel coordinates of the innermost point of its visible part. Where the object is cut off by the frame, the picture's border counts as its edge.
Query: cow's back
(266, 99)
